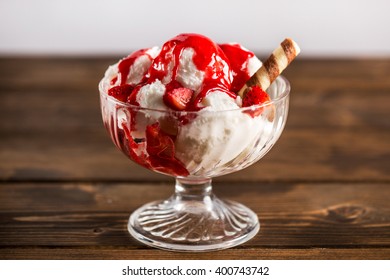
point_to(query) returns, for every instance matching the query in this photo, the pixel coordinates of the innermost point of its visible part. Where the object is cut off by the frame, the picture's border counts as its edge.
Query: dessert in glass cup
(195, 110)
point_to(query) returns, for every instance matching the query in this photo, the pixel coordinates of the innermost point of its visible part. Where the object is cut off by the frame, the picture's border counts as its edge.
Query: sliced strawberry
(161, 150)
(132, 98)
(168, 166)
(178, 98)
(255, 96)
(159, 143)
(136, 150)
(121, 92)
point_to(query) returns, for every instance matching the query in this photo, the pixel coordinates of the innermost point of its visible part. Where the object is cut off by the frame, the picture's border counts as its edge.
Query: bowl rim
(280, 97)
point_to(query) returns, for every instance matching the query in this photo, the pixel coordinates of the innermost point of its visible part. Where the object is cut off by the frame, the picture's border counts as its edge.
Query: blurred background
(333, 28)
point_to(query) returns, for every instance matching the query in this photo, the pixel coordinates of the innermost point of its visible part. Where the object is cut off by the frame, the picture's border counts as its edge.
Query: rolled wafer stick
(273, 66)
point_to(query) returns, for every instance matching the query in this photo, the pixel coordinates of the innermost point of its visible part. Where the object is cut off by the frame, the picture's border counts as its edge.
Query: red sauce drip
(156, 153)
(208, 57)
(125, 65)
(132, 99)
(113, 81)
(238, 62)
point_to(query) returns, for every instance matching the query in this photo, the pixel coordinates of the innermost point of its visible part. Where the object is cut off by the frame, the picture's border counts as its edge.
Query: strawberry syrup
(125, 65)
(238, 59)
(208, 57)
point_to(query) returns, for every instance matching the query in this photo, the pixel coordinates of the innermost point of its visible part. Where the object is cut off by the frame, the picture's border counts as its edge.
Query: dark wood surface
(323, 191)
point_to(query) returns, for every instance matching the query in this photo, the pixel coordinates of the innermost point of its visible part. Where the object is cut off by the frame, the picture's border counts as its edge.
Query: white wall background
(80, 27)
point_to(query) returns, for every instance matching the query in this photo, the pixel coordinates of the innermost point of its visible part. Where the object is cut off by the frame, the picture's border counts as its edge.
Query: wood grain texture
(110, 253)
(51, 128)
(321, 193)
(293, 216)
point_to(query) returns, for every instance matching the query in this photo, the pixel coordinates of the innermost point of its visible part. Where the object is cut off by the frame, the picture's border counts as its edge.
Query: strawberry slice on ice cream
(255, 96)
(178, 98)
(121, 92)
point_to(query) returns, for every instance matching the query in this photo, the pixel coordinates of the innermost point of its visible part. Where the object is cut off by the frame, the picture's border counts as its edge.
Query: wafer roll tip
(280, 58)
(295, 45)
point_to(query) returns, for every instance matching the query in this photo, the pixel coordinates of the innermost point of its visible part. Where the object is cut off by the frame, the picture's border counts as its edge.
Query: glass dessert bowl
(194, 147)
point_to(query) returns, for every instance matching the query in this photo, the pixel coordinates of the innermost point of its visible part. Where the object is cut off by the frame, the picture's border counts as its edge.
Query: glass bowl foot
(193, 219)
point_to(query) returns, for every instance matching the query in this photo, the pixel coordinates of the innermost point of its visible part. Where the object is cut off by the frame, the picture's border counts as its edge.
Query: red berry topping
(161, 150)
(238, 58)
(121, 92)
(255, 96)
(132, 98)
(159, 143)
(178, 98)
(135, 150)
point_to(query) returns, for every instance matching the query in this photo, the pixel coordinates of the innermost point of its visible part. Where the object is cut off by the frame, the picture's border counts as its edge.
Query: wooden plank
(337, 131)
(51, 129)
(337, 74)
(80, 73)
(301, 154)
(52, 73)
(64, 92)
(109, 253)
(293, 216)
(47, 110)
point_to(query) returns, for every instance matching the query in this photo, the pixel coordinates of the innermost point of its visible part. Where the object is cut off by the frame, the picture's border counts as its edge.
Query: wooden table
(323, 191)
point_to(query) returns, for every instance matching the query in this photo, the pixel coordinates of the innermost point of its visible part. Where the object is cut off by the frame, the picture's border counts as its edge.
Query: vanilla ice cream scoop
(132, 69)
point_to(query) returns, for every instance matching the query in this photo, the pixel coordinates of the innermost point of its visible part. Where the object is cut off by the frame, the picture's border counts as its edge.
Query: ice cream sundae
(194, 79)
(194, 110)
